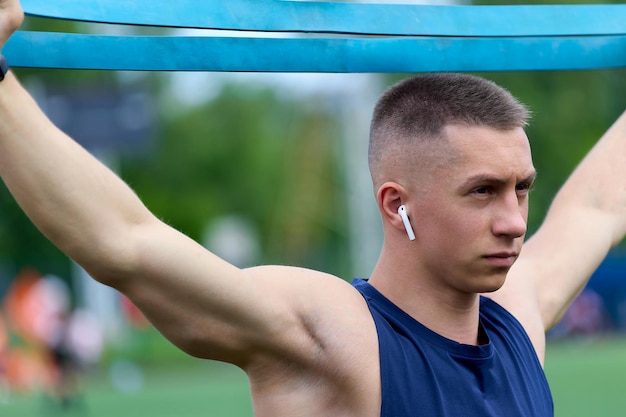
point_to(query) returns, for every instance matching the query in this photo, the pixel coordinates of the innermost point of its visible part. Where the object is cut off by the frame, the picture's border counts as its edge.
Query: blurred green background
(275, 158)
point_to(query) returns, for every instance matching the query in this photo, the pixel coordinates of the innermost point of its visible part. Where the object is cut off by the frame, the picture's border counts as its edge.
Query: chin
(492, 283)
(490, 289)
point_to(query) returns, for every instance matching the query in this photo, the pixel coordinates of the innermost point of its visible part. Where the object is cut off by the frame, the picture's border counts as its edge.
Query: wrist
(4, 67)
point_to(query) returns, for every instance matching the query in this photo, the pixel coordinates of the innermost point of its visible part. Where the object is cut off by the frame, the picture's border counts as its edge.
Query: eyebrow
(490, 179)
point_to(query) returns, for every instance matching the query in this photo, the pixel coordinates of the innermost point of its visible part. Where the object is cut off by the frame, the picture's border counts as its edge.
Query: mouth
(502, 259)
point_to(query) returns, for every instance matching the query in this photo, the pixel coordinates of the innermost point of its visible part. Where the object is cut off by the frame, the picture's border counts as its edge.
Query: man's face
(471, 215)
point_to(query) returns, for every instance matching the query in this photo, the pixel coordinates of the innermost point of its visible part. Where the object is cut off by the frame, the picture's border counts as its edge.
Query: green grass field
(588, 378)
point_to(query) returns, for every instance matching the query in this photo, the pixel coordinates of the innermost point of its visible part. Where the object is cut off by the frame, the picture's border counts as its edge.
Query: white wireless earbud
(407, 223)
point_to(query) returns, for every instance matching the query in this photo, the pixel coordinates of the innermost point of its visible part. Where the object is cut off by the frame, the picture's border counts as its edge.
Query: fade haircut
(418, 108)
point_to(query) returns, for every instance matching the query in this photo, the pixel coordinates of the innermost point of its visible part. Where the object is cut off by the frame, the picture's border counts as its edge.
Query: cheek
(465, 229)
(454, 229)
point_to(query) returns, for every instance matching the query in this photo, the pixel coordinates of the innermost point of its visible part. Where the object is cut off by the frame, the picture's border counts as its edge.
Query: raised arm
(586, 219)
(206, 306)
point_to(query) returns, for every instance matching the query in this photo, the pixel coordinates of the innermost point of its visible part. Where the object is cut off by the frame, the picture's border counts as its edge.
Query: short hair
(418, 108)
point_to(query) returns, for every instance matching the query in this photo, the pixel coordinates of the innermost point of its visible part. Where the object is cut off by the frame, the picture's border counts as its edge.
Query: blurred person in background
(64, 364)
(5, 391)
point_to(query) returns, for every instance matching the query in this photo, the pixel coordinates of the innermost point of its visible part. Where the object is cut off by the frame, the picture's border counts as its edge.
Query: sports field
(588, 378)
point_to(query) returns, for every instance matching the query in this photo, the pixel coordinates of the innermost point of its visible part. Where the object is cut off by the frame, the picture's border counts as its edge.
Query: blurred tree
(248, 152)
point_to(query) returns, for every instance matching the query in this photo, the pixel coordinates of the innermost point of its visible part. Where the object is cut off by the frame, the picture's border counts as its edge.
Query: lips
(502, 259)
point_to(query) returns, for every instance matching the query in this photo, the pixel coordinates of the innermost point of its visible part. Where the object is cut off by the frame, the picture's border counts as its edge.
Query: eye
(485, 190)
(523, 187)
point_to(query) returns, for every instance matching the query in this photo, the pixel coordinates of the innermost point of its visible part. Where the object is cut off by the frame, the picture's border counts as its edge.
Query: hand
(11, 17)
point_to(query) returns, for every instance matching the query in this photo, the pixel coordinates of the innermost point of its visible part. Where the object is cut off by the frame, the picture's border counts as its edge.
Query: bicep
(204, 305)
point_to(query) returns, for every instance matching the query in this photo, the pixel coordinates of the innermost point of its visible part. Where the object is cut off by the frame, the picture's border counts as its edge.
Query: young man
(451, 165)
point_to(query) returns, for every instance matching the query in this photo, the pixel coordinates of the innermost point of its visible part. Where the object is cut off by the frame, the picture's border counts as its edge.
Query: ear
(390, 197)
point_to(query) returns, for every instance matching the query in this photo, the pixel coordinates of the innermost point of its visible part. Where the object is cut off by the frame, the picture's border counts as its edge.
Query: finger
(11, 18)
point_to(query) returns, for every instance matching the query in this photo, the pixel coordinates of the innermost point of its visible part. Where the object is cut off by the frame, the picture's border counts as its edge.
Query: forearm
(78, 203)
(598, 185)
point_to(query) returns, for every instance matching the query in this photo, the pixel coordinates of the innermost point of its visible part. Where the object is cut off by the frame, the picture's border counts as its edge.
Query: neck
(446, 311)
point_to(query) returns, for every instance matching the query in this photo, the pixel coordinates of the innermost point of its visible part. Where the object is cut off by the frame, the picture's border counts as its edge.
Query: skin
(306, 339)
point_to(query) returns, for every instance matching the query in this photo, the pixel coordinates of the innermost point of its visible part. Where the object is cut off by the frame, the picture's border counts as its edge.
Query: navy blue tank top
(425, 374)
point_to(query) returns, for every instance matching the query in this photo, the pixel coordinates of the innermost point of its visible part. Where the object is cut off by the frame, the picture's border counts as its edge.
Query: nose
(511, 217)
